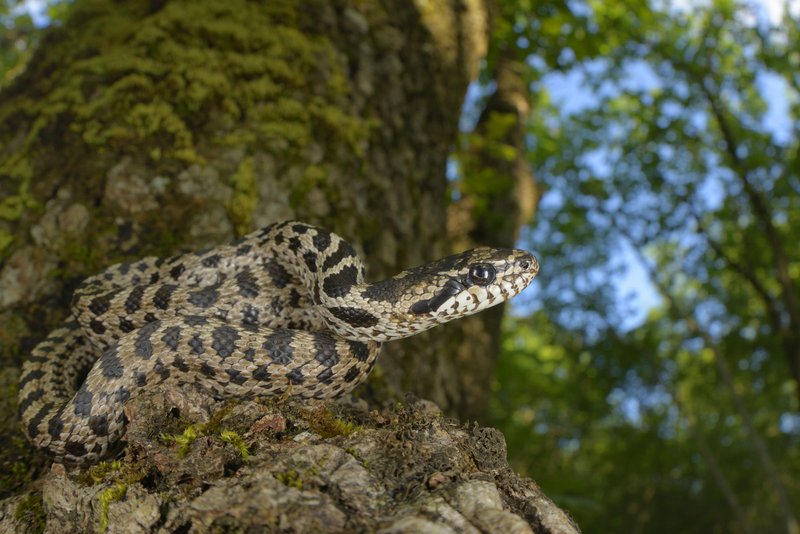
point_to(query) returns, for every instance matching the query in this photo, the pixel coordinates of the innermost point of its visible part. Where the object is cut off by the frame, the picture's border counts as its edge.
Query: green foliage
(685, 420)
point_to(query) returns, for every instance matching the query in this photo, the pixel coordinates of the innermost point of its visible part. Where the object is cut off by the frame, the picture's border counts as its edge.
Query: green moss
(228, 436)
(184, 440)
(30, 510)
(115, 493)
(194, 431)
(245, 196)
(100, 472)
(189, 71)
(290, 478)
(327, 425)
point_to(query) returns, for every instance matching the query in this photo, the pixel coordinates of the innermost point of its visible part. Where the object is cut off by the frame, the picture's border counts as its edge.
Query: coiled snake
(283, 311)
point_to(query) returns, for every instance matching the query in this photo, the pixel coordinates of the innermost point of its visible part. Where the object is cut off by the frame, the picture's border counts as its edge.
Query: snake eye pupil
(481, 274)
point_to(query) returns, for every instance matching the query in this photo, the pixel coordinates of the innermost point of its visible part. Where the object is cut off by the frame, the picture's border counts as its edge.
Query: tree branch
(725, 375)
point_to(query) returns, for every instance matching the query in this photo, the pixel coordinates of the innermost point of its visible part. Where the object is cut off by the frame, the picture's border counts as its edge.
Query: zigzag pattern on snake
(283, 311)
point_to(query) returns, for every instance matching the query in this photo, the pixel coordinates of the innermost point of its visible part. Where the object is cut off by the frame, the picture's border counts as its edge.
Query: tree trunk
(150, 128)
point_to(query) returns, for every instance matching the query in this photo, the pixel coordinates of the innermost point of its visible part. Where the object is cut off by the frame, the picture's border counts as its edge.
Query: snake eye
(481, 274)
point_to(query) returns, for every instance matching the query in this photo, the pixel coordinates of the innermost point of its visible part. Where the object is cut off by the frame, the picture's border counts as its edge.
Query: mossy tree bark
(148, 128)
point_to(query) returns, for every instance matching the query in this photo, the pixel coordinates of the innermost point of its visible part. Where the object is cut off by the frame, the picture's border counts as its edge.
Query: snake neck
(408, 303)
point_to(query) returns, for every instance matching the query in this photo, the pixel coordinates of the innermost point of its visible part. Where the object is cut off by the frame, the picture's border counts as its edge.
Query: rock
(194, 465)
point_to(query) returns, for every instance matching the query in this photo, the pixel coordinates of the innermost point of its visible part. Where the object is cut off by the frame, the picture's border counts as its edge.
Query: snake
(284, 312)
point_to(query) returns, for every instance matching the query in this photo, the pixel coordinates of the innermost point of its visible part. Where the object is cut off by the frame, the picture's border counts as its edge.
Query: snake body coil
(283, 311)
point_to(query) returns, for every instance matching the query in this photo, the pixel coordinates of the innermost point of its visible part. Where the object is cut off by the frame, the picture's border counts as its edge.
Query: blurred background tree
(650, 381)
(664, 137)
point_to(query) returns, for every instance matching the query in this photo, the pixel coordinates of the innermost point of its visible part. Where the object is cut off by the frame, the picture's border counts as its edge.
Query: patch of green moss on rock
(30, 510)
(245, 196)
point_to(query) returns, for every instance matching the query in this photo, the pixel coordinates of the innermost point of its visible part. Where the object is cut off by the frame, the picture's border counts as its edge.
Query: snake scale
(283, 311)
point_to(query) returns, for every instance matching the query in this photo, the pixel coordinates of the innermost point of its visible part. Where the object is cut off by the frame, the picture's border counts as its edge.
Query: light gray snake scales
(284, 311)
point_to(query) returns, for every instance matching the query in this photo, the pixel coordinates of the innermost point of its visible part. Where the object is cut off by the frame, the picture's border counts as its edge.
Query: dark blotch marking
(325, 349)
(295, 244)
(195, 320)
(99, 425)
(322, 240)
(236, 376)
(197, 344)
(278, 275)
(207, 370)
(250, 354)
(345, 250)
(82, 402)
(123, 394)
(99, 305)
(261, 373)
(351, 374)
(163, 295)
(172, 337)
(75, 448)
(325, 376)
(338, 284)
(300, 228)
(177, 271)
(36, 420)
(29, 400)
(359, 350)
(295, 376)
(247, 284)
(25, 379)
(389, 290)
(97, 327)
(211, 261)
(155, 277)
(134, 300)
(450, 289)
(143, 347)
(141, 379)
(294, 298)
(55, 427)
(110, 363)
(310, 260)
(161, 370)
(225, 338)
(354, 316)
(243, 249)
(250, 315)
(279, 348)
(180, 364)
(204, 298)
(126, 325)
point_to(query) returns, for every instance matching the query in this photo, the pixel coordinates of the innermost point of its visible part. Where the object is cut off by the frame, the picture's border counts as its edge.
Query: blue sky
(570, 95)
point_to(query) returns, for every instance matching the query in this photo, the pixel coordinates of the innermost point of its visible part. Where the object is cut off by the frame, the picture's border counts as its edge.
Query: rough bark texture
(255, 467)
(149, 128)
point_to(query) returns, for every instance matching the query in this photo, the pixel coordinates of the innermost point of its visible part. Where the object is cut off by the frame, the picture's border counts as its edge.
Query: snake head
(472, 281)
